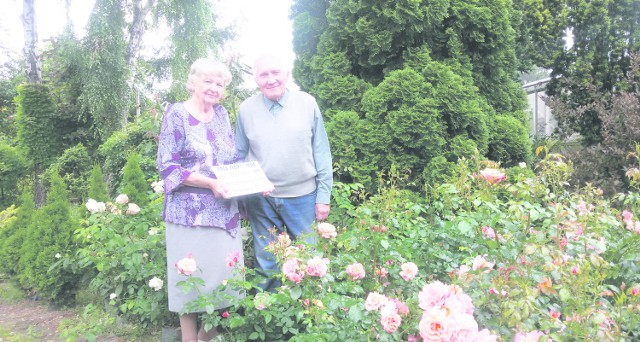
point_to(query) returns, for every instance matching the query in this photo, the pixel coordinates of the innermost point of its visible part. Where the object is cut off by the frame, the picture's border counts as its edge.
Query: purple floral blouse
(187, 145)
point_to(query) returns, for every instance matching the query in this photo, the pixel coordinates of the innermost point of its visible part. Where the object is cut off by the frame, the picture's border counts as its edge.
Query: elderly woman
(202, 224)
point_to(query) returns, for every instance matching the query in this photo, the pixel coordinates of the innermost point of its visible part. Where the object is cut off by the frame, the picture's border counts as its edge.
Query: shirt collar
(283, 100)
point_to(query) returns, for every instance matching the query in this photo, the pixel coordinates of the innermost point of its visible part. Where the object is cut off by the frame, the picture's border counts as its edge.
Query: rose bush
(501, 255)
(484, 259)
(123, 257)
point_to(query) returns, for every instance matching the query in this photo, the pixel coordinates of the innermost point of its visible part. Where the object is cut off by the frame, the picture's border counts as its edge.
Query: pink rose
(435, 325)
(459, 303)
(433, 295)
(356, 271)
(402, 308)
(225, 314)
(627, 216)
(634, 291)
(375, 301)
(382, 272)
(575, 270)
(391, 322)
(327, 230)
(261, 300)
(492, 176)
(233, 258)
(122, 199)
(485, 335)
(317, 267)
(466, 328)
(186, 265)
(488, 232)
(284, 240)
(409, 270)
(292, 271)
(480, 262)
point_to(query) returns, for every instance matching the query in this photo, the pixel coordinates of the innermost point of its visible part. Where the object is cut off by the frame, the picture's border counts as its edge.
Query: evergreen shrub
(13, 234)
(73, 166)
(97, 185)
(134, 184)
(49, 238)
(140, 137)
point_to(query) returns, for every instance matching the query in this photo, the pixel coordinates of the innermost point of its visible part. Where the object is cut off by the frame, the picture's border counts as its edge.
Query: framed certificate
(243, 178)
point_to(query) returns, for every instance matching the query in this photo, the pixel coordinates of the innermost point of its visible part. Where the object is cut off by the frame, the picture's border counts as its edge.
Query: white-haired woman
(201, 221)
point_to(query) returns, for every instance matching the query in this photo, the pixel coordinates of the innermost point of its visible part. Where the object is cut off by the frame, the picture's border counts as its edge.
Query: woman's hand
(218, 189)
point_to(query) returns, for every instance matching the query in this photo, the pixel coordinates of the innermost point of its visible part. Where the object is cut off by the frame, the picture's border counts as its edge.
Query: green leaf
(355, 314)
(296, 292)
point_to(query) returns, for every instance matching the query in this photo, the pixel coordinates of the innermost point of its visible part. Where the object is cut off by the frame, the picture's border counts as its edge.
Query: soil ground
(28, 320)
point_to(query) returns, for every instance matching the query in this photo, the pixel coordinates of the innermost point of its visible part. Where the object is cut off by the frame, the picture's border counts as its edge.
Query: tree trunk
(39, 193)
(31, 53)
(136, 31)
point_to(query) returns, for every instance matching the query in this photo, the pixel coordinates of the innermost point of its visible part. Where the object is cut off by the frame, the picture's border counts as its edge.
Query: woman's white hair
(210, 67)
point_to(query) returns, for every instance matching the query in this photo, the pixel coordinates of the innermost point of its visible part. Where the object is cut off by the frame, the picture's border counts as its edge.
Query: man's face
(271, 77)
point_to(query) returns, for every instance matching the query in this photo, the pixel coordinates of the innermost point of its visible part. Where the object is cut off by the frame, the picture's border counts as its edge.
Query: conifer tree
(97, 185)
(134, 183)
(12, 236)
(49, 236)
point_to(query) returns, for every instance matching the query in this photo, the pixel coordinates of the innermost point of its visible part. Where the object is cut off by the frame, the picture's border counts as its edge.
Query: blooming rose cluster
(292, 270)
(295, 271)
(279, 245)
(98, 207)
(233, 258)
(492, 176)
(391, 310)
(187, 265)
(630, 223)
(95, 207)
(448, 315)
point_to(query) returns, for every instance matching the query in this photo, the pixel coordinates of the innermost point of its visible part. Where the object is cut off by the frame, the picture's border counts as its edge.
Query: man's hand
(322, 211)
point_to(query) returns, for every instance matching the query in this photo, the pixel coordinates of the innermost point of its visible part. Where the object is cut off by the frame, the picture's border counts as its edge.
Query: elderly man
(283, 131)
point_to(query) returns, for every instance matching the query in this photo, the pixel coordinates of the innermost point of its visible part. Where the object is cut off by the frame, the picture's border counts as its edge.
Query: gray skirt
(210, 248)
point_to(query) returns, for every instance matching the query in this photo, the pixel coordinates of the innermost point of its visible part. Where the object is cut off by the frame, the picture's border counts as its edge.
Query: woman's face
(208, 88)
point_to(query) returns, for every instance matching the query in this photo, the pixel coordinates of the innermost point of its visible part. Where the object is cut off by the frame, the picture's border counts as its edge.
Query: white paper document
(243, 178)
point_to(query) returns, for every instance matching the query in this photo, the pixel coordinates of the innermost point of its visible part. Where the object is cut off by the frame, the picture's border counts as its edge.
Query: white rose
(522, 164)
(153, 231)
(133, 209)
(113, 296)
(122, 199)
(158, 186)
(156, 283)
(94, 206)
(58, 256)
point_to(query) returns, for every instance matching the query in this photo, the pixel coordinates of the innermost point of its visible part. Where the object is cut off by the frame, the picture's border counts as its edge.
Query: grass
(10, 336)
(9, 292)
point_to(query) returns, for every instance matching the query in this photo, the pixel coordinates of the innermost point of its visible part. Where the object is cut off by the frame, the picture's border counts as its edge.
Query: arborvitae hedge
(13, 234)
(49, 238)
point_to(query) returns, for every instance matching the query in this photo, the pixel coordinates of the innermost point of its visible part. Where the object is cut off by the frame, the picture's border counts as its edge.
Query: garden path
(30, 320)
